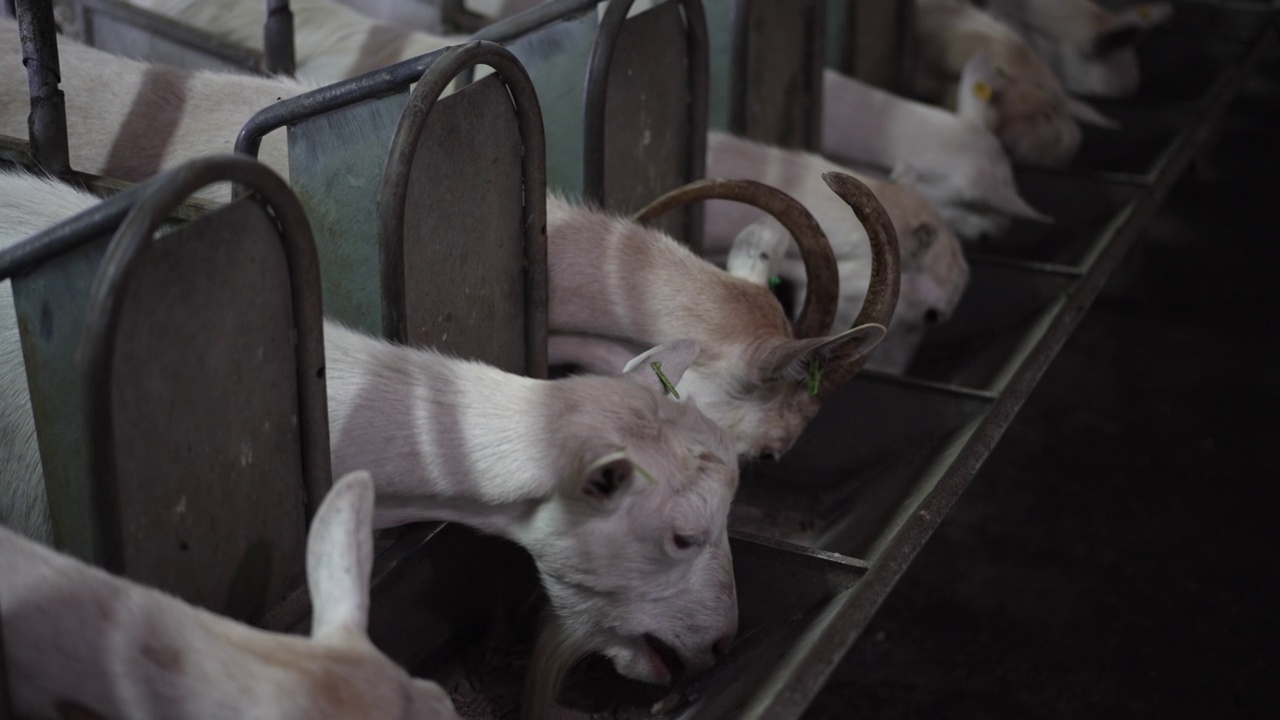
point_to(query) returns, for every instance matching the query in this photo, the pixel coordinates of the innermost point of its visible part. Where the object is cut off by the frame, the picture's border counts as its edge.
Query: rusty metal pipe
(47, 123)
(886, 269)
(823, 291)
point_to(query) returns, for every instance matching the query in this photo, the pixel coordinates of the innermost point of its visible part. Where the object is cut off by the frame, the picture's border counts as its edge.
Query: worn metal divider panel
(645, 111)
(131, 484)
(335, 162)
(124, 29)
(766, 64)
(553, 42)
(872, 40)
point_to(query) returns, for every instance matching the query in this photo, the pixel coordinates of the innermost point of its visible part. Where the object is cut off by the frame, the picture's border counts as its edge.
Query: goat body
(960, 165)
(81, 642)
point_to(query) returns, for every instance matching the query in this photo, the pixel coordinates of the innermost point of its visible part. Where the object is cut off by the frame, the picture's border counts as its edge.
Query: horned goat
(620, 494)
(1035, 118)
(934, 270)
(1090, 48)
(959, 164)
(80, 642)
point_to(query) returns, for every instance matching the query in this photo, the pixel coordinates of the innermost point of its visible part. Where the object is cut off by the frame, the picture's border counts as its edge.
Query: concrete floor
(1116, 555)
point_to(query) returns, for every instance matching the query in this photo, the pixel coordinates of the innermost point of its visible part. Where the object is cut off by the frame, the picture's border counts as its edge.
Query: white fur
(79, 639)
(960, 164)
(612, 278)
(1064, 32)
(454, 440)
(1035, 119)
(331, 41)
(934, 271)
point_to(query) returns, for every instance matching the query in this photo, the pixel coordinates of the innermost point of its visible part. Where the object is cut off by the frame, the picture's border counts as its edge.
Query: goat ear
(1124, 29)
(790, 361)
(979, 83)
(672, 359)
(1089, 115)
(605, 482)
(340, 558)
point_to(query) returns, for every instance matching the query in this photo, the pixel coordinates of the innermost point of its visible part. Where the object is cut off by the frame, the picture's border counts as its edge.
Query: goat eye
(684, 542)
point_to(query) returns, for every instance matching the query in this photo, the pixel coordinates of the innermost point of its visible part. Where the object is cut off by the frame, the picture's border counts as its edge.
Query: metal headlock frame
(47, 123)
(277, 56)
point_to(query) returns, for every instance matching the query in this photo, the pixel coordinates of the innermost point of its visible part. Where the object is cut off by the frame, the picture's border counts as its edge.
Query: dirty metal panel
(555, 56)
(779, 90)
(1083, 210)
(464, 254)
(647, 115)
(880, 42)
(121, 29)
(1003, 302)
(206, 416)
(335, 168)
(50, 304)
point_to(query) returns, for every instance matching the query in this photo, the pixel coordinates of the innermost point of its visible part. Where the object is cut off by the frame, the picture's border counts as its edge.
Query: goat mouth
(665, 659)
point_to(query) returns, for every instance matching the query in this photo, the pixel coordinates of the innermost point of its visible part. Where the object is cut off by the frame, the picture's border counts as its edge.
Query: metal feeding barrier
(872, 40)
(124, 29)
(128, 368)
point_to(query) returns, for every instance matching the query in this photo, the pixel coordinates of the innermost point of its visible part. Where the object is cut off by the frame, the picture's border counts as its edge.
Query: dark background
(1116, 554)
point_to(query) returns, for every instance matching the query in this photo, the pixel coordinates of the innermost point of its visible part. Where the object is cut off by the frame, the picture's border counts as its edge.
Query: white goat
(331, 42)
(620, 494)
(1090, 48)
(960, 165)
(1035, 118)
(80, 642)
(934, 271)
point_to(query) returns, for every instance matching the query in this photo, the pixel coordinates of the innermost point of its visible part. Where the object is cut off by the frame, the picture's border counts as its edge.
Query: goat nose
(721, 646)
(932, 316)
(769, 455)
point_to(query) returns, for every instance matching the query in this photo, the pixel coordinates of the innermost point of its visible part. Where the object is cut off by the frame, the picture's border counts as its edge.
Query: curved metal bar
(395, 188)
(823, 290)
(383, 81)
(278, 56)
(47, 123)
(596, 94)
(161, 196)
(531, 19)
(886, 268)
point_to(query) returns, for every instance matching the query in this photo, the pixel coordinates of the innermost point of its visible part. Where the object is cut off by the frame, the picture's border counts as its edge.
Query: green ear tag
(815, 375)
(667, 387)
(775, 281)
(648, 476)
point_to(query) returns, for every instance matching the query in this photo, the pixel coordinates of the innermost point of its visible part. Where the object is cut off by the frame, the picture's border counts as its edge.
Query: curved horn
(823, 291)
(886, 270)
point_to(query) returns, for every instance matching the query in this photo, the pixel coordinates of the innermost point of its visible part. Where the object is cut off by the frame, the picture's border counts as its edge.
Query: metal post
(278, 57)
(47, 123)
(8, 9)
(6, 709)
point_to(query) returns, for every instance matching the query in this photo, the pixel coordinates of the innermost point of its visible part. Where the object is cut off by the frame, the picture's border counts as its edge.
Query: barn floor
(1116, 555)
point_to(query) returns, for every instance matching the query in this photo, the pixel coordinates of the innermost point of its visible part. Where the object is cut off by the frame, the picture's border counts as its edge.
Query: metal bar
(395, 186)
(278, 55)
(9, 10)
(6, 701)
(97, 352)
(47, 123)
(168, 41)
(384, 81)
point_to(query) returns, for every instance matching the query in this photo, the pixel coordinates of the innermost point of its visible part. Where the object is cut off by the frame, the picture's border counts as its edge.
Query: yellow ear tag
(982, 91)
